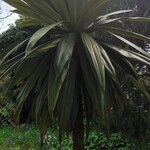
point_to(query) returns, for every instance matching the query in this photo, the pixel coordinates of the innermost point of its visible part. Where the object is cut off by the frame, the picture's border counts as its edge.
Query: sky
(5, 10)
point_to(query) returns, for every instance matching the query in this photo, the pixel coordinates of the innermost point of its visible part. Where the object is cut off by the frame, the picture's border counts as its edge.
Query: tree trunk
(78, 130)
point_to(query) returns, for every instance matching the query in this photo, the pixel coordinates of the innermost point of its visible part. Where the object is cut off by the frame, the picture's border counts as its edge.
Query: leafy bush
(7, 106)
(98, 140)
(52, 141)
(6, 113)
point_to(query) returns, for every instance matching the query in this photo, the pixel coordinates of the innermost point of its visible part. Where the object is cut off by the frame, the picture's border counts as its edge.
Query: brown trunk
(78, 131)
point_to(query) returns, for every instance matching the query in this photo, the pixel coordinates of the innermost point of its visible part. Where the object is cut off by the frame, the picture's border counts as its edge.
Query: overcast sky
(5, 11)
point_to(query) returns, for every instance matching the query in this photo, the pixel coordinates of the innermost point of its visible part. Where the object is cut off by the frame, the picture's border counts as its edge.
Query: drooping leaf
(55, 84)
(130, 34)
(42, 48)
(38, 35)
(64, 52)
(94, 55)
(67, 97)
(131, 55)
(138, 49)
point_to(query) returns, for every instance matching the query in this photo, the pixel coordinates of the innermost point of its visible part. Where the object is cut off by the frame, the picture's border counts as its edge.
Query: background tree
(8, 39)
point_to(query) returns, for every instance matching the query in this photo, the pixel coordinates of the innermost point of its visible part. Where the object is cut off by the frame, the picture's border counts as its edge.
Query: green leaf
(40, 49)
(42, 91)
(119, 61)
(67, 97)
(93, 52)
(64, 52)
(130, 55)
(8, 63)
(138, 49)
(137, 19)
(115, 13)
(55, 84)
(91, 83)
(94, 56)
(28, 86)
(38, 35)
(127, 33)
(9, 69)
(15, 49)
(107, 62)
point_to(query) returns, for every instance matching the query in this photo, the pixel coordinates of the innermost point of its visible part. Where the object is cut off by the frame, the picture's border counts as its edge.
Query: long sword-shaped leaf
(41, 98)
(107, 61)
(9, 69)
(138, 49)
(93, 53)
(42, 48)
(38, 35)
(67, 97)
(44, 8)
(130, 55)
(15, 49)
(127, 33)
(120, 62)
(137, 19)
(92, 84)
(134, 19)
(115, 13)
(15, 3)
(55, 84)
(29, 86)
(9, 62)
(27, 10)
(64, 52)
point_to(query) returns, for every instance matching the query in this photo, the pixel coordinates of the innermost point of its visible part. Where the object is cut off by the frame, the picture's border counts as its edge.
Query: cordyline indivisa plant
(68, 69)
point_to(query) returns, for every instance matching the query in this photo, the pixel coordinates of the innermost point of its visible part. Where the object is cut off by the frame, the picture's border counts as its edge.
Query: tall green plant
(73, 70)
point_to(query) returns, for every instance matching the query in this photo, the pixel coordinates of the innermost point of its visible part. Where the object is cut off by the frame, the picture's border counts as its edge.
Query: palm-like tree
(70, 65)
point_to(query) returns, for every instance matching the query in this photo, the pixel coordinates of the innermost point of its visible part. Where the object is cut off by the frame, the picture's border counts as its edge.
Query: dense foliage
(8, 40)
(28, 138)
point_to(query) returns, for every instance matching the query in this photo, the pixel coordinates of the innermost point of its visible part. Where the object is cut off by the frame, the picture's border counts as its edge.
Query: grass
(19, 139)
(28, 139)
